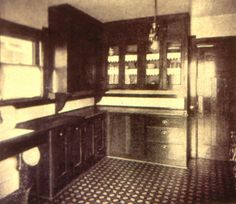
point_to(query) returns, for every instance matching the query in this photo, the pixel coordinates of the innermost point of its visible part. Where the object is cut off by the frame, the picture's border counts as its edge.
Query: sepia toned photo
(117, 102)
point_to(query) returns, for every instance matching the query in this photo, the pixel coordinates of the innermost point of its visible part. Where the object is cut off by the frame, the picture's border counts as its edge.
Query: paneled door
(213, 103)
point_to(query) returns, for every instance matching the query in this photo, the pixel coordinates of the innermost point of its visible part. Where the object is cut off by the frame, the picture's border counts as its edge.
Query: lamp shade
(154, 46)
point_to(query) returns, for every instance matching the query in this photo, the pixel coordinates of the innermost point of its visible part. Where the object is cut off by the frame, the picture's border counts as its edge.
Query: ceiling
(112, 10)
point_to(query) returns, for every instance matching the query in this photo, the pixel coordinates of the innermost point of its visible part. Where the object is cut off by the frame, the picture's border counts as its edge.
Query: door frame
(193, 104)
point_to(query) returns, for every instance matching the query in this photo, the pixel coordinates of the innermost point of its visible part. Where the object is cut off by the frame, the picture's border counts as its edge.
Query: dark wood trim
(36, 53)
(122, 65)
(150, 19)
(143, 110)
(142, 48)
(163, 58)
(24, 103)
(20, 144)
(82, 94)
(65, 18)
(74, 12)
(21, 31)
(144, 95)
(47, 67)
(30, 102)
(192, 76)
(213, 39)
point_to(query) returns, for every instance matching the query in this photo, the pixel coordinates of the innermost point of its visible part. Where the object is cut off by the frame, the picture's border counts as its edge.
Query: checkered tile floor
(129, 182)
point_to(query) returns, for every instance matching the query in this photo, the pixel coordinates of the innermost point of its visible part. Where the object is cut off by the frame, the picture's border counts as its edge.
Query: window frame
(23, 32)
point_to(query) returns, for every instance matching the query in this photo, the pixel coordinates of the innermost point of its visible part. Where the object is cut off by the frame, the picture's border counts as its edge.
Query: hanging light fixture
(153, 34)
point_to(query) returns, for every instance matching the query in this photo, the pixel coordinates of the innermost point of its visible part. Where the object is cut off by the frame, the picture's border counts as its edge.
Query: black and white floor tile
(129, 182)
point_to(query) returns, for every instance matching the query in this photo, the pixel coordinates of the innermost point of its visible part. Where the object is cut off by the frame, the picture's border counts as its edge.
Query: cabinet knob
(77, 129)
(164, 132)
(191, 107)
(164, 122)
(61, 133)
(164, 146)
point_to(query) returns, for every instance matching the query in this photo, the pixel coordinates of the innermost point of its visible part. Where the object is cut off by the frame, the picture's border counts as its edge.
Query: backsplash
(8, 119)
(149, 102)
(12, 116)
(76, 104)
(30, 113)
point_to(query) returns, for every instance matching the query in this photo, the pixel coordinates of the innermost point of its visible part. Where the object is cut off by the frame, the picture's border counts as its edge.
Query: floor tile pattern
(130, 182)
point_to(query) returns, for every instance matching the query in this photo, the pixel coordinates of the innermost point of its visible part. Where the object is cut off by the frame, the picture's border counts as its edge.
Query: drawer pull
(164, 146)
(164, 132)
(164, 122)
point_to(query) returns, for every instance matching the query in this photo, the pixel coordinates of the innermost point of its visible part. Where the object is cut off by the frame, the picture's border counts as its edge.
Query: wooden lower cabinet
(99, 136)
(153, 138)
(69, 151)
(59, 156)
(166, 140)
(88, 142)
(75, 149)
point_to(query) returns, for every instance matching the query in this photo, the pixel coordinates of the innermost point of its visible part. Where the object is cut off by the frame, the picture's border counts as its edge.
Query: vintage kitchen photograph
(117, 101)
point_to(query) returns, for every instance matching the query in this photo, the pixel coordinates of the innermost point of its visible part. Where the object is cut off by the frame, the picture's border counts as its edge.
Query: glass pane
(16, 51)
(59, 82)
(174, 64)
(17, 81)
(113, 65)
(131, 64)
(152, 68)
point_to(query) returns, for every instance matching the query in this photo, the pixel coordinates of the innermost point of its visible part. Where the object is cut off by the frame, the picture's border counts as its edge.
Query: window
(16, 51)
(20, 71)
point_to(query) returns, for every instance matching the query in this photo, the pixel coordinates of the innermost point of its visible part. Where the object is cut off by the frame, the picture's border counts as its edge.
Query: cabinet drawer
(165, 121)
(165, 135)
(160, 152)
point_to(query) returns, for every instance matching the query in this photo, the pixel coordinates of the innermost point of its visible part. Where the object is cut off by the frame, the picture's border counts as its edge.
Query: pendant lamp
(153, 34)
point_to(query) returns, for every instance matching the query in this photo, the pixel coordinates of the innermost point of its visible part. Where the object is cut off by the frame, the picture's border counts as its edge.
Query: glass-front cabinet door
(152, 76)
(161, 70)
(113, 65)
(174, 65)
(135, 63)
(131, 66)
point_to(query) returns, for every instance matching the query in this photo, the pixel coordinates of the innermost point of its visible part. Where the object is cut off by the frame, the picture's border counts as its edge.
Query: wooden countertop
(149, 111)
(11, 147)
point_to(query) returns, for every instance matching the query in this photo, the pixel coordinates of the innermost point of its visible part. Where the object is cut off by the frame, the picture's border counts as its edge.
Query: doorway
(212, 96)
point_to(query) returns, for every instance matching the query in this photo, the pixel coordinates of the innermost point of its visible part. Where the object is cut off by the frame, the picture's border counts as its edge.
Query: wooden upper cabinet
(132, 64)
(75, 49)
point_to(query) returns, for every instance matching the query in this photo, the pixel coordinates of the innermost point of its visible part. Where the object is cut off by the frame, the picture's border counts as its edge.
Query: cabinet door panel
(166, 153)
(88, 141)
(43, 175)
(126, 134)
(76, 150)
(117, 140)
(99, 137)
(60, 156)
